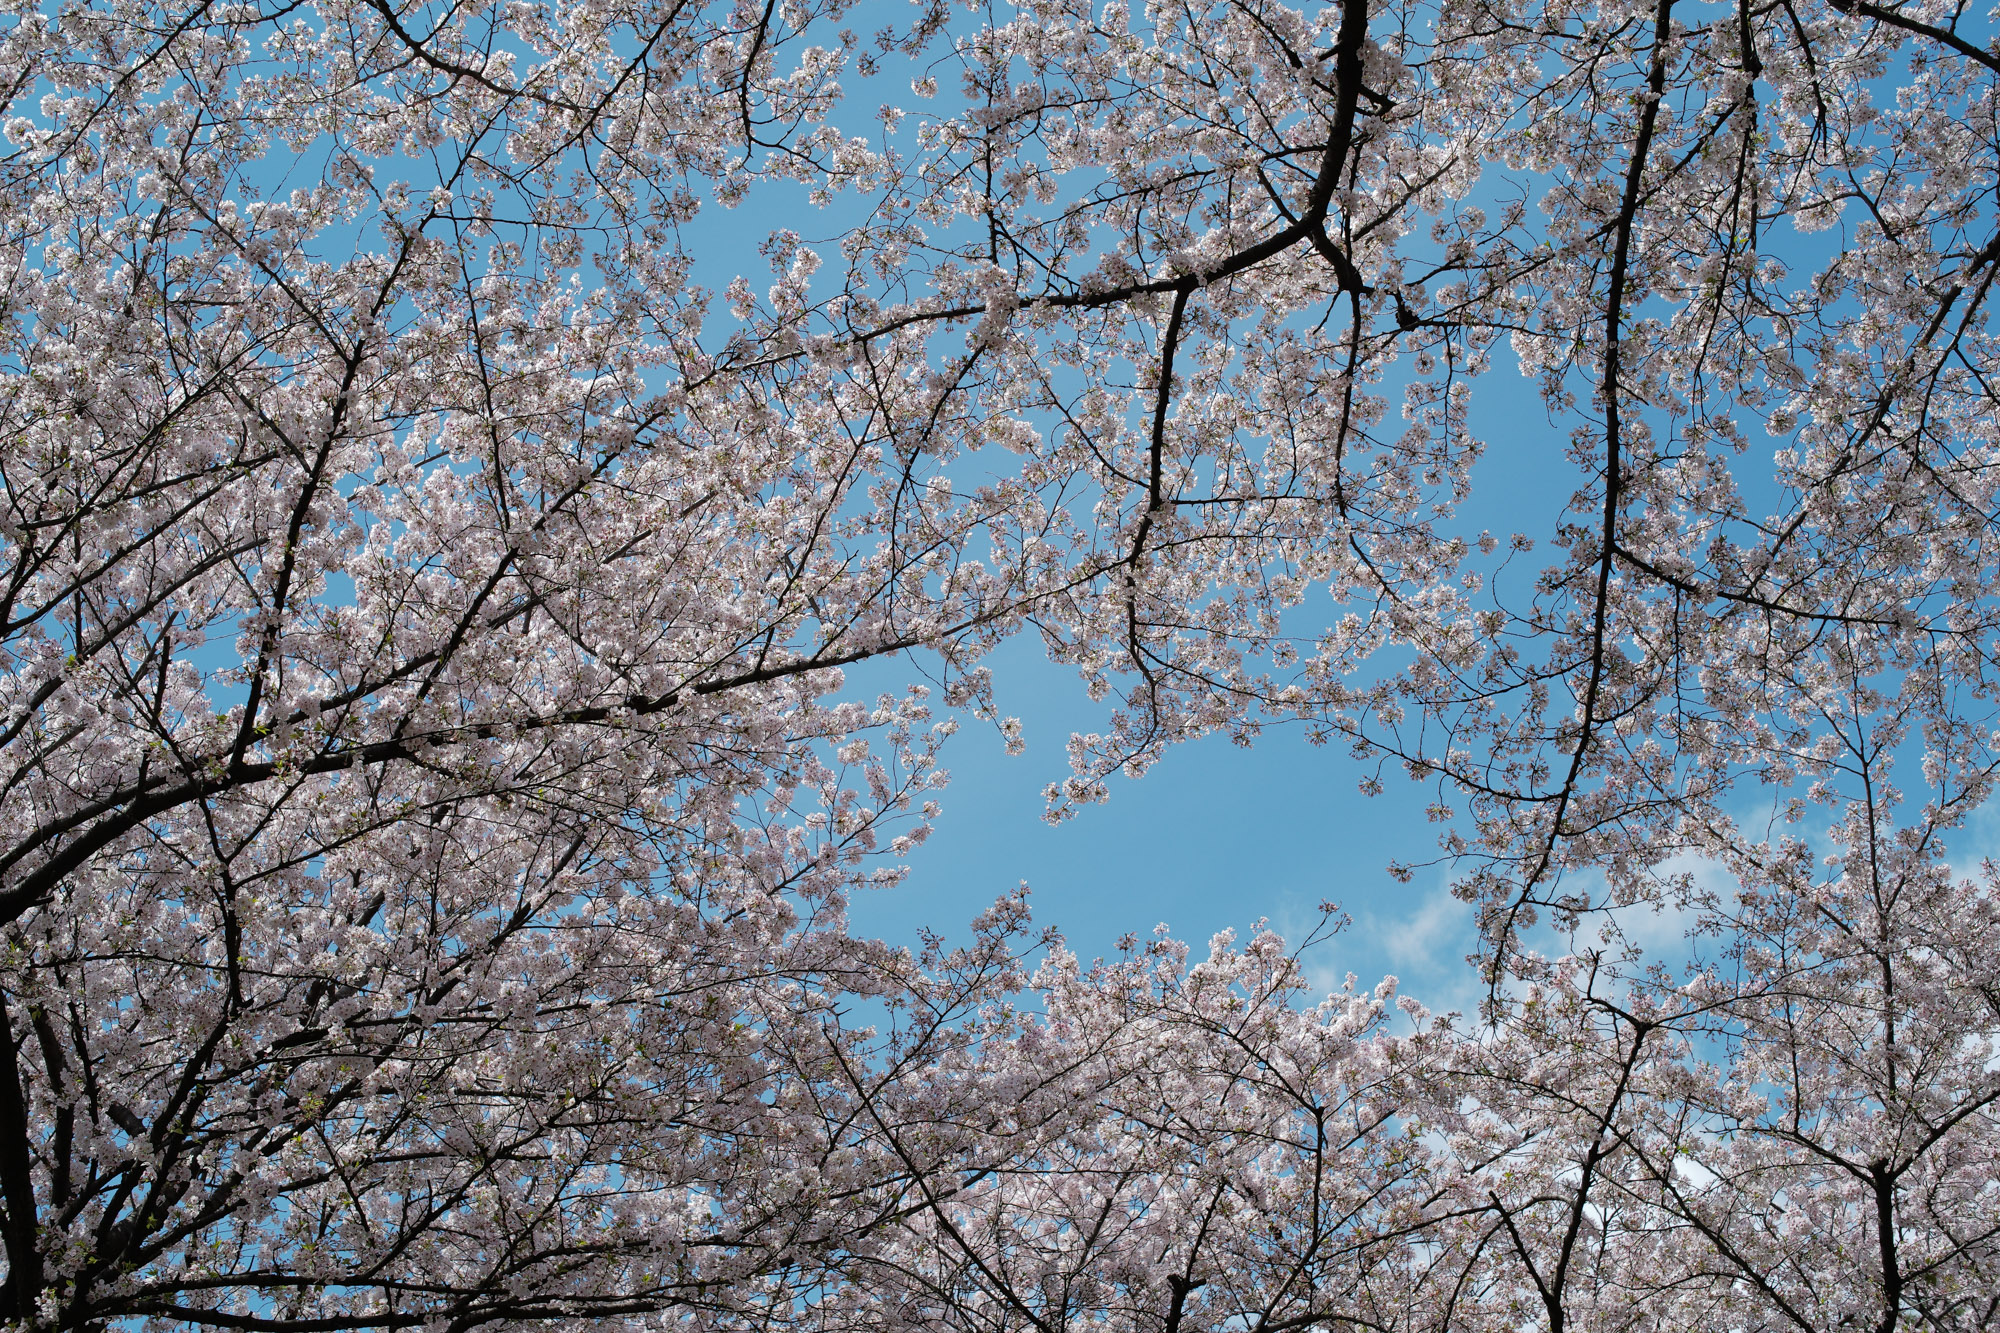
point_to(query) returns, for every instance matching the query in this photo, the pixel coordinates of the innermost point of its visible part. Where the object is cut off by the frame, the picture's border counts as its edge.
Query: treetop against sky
(504, 507)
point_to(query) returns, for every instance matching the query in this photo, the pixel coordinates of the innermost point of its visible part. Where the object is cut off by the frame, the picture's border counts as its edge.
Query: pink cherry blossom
(430, 790)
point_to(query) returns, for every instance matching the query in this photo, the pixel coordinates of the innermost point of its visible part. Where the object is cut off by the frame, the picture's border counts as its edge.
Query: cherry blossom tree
(1219, 1154)
(431, 791)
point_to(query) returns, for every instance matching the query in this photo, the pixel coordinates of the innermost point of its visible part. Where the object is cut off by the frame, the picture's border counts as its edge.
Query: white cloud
(1421, 936)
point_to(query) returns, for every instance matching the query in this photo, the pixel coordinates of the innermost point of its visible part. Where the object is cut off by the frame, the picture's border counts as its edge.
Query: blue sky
(1215, 835)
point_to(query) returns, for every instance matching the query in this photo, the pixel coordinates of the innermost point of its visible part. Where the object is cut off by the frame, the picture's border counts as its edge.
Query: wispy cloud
(1420, 936)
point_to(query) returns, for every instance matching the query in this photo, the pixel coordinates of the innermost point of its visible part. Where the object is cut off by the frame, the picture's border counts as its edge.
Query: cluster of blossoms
(430, 793)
